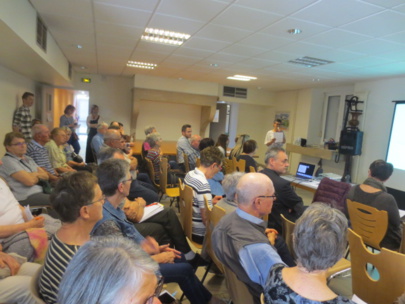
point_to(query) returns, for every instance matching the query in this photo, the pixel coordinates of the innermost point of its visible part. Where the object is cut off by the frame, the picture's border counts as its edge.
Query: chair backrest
(287, 234)
(186, 162)
(228, 165)
(237, 289)
(186, 209)
(239, 165)
(332, 193)
(252, 169)
(402, 247)
(198, 162)
(391, 268)
(213, 215)
(151, 171)
(163, 175)
(370, 223)
(34, 285)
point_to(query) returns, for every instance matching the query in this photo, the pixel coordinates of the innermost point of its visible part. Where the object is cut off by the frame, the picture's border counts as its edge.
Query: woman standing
(69, 121)
(92, 123)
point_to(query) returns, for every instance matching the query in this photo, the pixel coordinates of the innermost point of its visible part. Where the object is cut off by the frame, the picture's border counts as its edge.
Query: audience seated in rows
(21, 172)
(288, 203)
(55, 151)
(78, 200)
(372, 192)
(319, 241)
(249, 149)
(216, 180)
(37, 151)
(127, 275)
(114, 178)
(210, 164)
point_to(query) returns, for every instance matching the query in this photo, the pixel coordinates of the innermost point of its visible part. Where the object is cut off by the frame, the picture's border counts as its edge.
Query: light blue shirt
(97, 141)
(257, 259)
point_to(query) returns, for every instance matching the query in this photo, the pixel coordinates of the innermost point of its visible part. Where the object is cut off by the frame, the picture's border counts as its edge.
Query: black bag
(46, 186)
(77, 158)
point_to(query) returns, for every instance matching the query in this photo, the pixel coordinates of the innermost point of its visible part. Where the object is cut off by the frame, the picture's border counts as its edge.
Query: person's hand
(271, 235)
(165, 257)
(37, 222)
(150, 245)
(216, 199)
(166, 248)
(8, 260)
(141, 202)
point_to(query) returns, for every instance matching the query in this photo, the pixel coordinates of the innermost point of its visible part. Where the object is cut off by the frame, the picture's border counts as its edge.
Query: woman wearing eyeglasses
(22, 173)
(78, 200)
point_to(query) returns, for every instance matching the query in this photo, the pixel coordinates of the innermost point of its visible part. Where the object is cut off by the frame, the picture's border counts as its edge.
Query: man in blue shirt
(241, 240)
(98, 139)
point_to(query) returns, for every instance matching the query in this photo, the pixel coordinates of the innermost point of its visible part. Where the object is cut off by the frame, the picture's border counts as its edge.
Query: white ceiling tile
(304, 49)
(336, 12)
(381, 24)
(223, 33)
(112, 29)
(183, 50)
(243, 50)
(175, 24)
(269, 42)
(120, 15)
(385, 3)
(275, 6)
(336, 38)
(369, 61)
(205, 44)
(79, 9)
(148, 5)
(246, 19)
(374, 47)
(397, 37)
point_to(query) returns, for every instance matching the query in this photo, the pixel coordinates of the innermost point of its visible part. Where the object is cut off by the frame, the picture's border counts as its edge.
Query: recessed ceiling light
(141, 65)
(83, 67)
(316, 80)
(242, 77)
(79, 46)
(294, 31)
(214, 65)
(164, 37)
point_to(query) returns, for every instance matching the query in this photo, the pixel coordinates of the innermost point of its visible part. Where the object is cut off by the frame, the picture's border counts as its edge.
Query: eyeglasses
(274, 197)
(20, 144)
(128, 180)
(102, 200)
(157, 292)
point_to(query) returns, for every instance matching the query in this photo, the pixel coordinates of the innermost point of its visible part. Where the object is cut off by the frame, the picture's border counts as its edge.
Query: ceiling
(364, 39)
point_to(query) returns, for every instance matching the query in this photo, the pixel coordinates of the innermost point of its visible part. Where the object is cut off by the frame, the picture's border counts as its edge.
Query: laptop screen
(305, 170)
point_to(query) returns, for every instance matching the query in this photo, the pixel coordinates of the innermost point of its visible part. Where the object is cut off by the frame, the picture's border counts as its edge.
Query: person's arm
(270, 139)
(65, 169)
(73, 163)
(257, 260)
(89, 125)
(28, 179)
(8, 260)
(289, 198)
(42, 173)
(9, 230)
(134, 210)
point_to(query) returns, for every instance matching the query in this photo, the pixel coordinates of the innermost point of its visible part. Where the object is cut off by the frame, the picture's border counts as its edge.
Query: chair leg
(206, 272)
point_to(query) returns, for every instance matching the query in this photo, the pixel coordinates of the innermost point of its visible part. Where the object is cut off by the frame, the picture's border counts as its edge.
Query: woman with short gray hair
(319, 241)
(154, 140)
(127, 275)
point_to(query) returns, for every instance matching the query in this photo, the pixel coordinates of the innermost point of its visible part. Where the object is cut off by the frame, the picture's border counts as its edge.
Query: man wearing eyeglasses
(288, 202)
(241, 239)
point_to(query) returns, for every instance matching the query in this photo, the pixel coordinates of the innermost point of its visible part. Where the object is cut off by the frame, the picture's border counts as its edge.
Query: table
(309, 185)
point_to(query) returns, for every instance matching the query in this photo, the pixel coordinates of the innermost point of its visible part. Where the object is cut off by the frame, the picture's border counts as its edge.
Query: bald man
(241, 239)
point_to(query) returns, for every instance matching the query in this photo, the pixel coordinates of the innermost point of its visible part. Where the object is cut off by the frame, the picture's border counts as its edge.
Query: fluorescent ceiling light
(141, 65)
(242, 77)
(164, 37)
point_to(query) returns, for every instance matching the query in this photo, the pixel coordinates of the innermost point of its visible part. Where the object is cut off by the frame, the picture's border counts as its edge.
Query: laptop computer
(305, 171)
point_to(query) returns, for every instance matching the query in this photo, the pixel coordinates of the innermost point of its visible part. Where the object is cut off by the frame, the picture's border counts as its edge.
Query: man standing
(195, 152)
(211, 159)
(241, 240)
(183, 145)
(37, 151)
(22, 117)
(288, 202)
(275, 138)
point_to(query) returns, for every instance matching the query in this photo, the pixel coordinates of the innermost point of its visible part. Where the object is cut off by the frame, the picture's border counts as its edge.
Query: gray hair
(37, 129)
(229, 184)
(152, 138)
(102, 125)
(148, 129)
(111, 173)
(106, 270)
(111, 134)
(107, 153)
(319, 237)
(66, 129)
(272, 153)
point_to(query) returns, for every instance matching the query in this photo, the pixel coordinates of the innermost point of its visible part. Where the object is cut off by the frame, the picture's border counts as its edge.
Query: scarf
(375, 184)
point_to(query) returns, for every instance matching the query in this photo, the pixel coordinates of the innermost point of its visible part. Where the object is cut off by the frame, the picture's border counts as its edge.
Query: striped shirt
(23, 120)
(40, 155)
(57, 259)
(154, 157)
(197, 180)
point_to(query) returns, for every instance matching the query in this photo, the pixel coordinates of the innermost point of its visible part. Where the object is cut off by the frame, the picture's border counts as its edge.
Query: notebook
(305, 171)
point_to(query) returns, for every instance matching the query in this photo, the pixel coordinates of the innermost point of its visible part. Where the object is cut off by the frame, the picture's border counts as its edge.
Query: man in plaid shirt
(22, 117)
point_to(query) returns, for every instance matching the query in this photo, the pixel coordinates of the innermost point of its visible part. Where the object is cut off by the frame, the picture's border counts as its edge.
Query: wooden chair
(213, 216)
(341, 266)
(151, 172)
(391, 268)
(402, 247)
(368, 222)
(173, 192)
(228, 166)
(186, 212)
(239, 165)
(237, 289)
(252, 169)
(186, 162)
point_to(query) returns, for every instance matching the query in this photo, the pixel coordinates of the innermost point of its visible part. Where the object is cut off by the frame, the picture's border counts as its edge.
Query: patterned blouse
(276, 291)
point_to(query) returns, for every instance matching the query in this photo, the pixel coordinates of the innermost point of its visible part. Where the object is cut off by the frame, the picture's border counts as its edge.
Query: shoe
(197, 261)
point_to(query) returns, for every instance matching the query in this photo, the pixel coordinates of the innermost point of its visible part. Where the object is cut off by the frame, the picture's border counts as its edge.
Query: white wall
(167, 118)
(112, 94)
(12, 86)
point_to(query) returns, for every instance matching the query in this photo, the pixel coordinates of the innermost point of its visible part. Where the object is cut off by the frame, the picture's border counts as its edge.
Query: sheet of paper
(279, 136)
(151, 210)
(28, 212)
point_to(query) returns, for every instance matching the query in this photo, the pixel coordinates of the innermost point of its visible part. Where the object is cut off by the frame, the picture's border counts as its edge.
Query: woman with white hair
(128, 274)
(154, 140)
(319, 241)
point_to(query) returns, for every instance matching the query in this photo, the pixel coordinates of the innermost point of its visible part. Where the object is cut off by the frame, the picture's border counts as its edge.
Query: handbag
(77, 158)
(46, 186)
